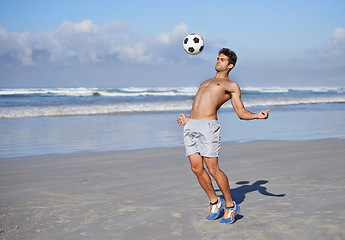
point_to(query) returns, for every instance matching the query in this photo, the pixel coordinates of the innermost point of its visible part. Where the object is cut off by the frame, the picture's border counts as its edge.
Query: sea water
(64, 120)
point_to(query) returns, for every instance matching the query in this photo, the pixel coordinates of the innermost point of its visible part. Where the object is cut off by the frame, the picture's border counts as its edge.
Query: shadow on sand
(239, 194)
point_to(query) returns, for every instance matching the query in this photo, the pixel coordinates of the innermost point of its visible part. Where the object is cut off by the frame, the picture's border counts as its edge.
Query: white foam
(332, 95)
(146, 91)
(109, 92)
(287, 89)
(65, 110)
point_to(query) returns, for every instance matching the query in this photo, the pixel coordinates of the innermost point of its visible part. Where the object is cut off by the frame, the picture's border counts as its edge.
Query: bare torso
(212, 94)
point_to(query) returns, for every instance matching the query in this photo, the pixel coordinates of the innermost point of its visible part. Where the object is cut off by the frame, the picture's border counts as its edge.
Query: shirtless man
(202, 133)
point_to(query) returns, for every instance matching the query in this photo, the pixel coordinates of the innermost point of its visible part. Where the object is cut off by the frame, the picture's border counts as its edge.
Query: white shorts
(202, 136)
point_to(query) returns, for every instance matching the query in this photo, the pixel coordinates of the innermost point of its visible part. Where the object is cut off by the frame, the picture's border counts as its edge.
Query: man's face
(223, 63)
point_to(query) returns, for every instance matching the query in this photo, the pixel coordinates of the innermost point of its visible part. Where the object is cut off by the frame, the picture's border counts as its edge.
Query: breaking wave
(39, 102)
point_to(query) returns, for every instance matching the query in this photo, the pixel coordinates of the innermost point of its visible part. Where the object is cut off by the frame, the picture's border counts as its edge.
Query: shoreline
(224, 143)
(286, 190)
(36, 136)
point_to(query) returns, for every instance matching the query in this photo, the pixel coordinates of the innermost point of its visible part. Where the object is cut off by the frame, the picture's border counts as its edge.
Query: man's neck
(222, 75)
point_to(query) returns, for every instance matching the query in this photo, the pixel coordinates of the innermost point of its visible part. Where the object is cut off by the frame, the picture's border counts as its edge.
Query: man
(202, 133)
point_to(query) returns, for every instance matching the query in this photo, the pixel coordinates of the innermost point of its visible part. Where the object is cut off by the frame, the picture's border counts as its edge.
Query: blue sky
(108, 43)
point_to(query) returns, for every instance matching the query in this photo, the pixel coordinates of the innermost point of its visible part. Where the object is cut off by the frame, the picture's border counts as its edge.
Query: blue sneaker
(230, 214)
(216, 209)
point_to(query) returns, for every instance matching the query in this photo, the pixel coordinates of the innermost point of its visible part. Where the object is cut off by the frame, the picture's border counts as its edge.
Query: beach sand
(286, 190)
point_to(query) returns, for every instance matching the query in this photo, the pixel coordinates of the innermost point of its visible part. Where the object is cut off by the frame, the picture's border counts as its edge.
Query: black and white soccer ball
(193, 44)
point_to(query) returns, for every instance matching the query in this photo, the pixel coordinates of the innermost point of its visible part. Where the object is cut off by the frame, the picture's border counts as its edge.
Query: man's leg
(197, 166)
(221, 179)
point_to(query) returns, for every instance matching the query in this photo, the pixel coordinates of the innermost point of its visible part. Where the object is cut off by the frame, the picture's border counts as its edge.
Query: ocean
(35, 121)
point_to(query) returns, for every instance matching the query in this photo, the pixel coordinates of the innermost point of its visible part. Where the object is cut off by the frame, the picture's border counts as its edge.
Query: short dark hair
(231, 55)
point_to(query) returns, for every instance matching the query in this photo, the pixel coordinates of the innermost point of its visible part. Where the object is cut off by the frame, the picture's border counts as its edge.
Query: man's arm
(183, 119)
(238, 106)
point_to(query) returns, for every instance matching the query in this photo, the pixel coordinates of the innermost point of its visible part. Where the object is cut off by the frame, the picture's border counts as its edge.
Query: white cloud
(15, 47)
(136, 52)
(336, 46)
(84, 26)
(85, 42)
(170, 37)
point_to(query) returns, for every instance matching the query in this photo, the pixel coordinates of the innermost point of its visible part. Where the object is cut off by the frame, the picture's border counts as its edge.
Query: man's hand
(263, 114)
(183, 119)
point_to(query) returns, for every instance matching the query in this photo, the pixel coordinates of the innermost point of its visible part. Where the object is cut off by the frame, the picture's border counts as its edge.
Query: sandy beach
(286, 190)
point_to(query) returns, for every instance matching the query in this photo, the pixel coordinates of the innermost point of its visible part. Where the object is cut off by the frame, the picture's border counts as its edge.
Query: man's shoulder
(232, 86)
(232, 82)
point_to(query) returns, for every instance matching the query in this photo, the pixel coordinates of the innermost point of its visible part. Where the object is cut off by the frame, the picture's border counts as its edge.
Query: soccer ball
(193, 44)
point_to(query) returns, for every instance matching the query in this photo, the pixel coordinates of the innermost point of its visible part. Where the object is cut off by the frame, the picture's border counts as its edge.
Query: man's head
(232, 58)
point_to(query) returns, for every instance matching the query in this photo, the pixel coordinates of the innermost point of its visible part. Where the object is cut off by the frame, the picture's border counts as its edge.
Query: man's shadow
(239, 194)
